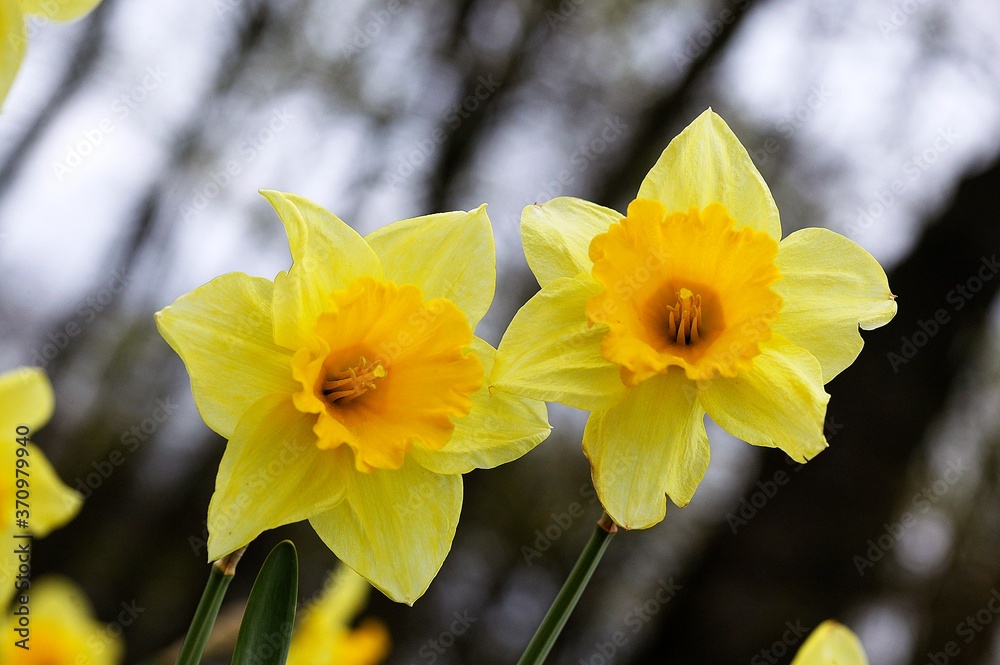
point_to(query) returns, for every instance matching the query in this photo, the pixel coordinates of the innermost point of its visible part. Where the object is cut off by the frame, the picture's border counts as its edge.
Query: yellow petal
(556, 236)
(327, 255)
(272, 474)
(26, 398)
(13, 44)
(58, 10)
(780, 403)
(449, 255)
(223, 332)
(500, 428)
(53, 504)
(653, 443)
(831, 644)
(830, 286)
(63, 629)
(395, 527)
(706, 164)
(551, 353)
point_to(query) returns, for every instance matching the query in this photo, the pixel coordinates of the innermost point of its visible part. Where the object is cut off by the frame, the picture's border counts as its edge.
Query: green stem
(222, 574)
(557, 616)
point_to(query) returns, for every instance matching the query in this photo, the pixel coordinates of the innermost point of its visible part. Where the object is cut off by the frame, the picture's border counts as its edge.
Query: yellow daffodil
(690, 303)
(831, 644)
(31, 490)
(351, 389)
(324, 635)
(63, 630)
(14, 34)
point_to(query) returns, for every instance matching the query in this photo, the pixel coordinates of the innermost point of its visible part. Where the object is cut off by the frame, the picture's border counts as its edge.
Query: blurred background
(131, 150)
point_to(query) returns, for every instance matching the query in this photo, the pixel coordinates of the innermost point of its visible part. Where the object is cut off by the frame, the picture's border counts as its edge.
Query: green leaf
(266, 631)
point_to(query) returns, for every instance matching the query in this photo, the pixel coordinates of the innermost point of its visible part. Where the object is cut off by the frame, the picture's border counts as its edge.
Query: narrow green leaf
(266, 631)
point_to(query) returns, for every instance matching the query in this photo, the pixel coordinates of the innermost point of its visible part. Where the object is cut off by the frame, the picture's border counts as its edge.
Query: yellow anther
(684, 318)
(353, 382)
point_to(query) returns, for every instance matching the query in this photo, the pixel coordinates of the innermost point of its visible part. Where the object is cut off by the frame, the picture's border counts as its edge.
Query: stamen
(684, 318)
(351, 383)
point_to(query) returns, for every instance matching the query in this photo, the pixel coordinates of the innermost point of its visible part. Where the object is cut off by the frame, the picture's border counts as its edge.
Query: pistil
(684, 318)
(353, 382)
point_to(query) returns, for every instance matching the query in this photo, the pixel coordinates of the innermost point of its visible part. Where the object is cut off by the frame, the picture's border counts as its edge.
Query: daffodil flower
(324, 635)
(13, 34)
(831, 644)
(63, 630)
(691, 303)
(26, 404)
(351, 389)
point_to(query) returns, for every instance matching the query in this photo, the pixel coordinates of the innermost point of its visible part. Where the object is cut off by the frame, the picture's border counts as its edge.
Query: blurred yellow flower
(14, 34)
(29, 491)
(351, 389)
(63, 630)
(324, 635)
(689, 304)
(831, 644)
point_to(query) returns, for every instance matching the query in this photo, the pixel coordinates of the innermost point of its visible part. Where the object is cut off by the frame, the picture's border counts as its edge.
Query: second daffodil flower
(351, 389)
(690, 303)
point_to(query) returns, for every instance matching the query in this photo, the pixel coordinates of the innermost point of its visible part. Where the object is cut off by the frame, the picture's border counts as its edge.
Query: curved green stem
(222, 574)
(557, 616)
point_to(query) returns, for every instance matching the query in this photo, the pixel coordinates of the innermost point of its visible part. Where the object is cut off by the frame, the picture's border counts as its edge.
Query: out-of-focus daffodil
(63, 630)
(691, 303)
(26, 404)
(831, 644)
(324, 635)
(14, 34)
(351, 389)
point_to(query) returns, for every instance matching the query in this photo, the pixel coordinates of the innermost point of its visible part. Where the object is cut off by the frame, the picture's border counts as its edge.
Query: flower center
(353, 382)
(684, 318)
(686, 289)
(386, 370)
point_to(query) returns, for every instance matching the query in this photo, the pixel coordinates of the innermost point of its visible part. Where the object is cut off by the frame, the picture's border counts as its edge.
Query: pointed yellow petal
(26, 398)
(272, 474)
(831, 644)
(63, 629)
(500, 428)
(556, 236)
(223, 333)
(653, 443)
(830, 285)
(327, 254)
(13, 44)
(550, 353)
(53, 504)
(449, 255)
(780, 403)
(395, 527)
(705, 164)
(58, 10)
